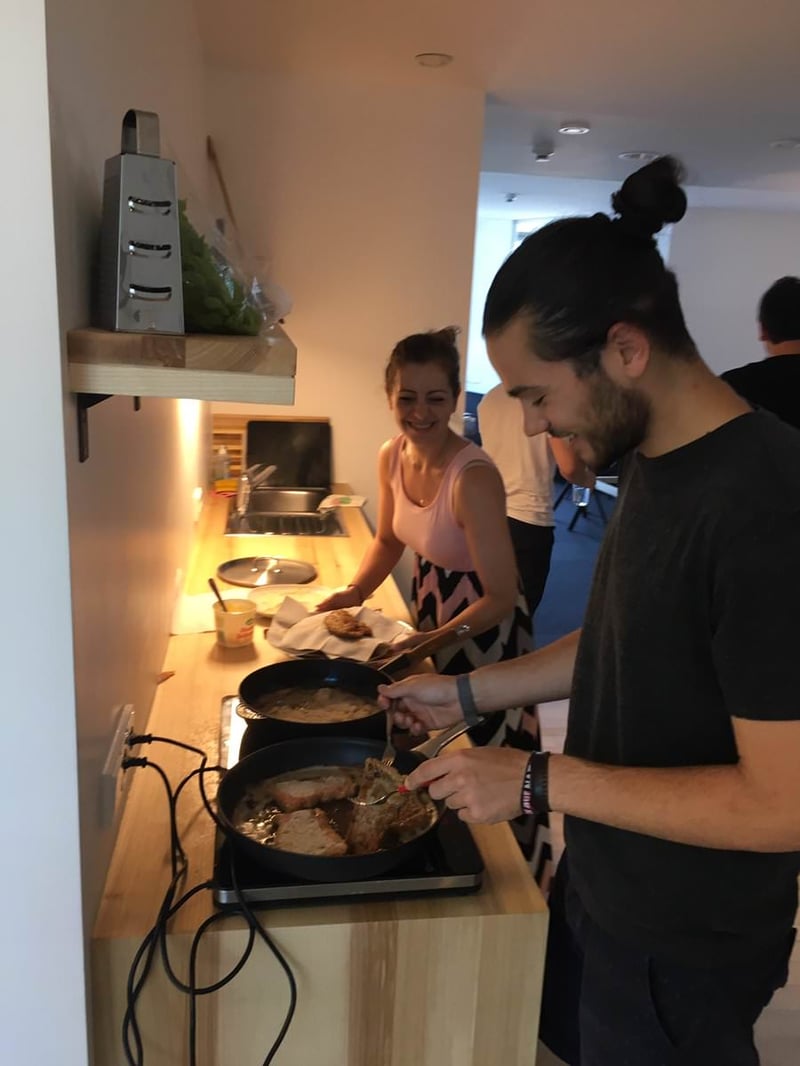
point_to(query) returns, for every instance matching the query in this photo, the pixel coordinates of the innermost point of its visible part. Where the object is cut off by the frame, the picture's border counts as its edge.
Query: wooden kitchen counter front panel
(439, 992)
(448, 981)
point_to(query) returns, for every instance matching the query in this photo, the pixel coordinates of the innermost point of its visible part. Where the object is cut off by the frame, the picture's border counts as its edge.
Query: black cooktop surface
(450, 861)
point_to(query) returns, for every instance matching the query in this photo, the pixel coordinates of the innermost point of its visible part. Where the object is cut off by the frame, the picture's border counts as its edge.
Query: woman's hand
(425, 701)
(482, 784)
(349, 597)
(407, 643)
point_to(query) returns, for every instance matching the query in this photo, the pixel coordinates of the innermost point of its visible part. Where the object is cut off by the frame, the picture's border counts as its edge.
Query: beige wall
(362, 198)
(724, 260)
(130, 508)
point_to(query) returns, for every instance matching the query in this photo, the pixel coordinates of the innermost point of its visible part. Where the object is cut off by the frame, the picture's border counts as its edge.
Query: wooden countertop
(186, 708)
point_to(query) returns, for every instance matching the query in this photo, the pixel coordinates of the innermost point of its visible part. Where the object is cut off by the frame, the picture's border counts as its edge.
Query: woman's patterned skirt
(440, 595)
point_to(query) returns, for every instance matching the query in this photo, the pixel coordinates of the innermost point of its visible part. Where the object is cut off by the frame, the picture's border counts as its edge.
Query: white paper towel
(295, 630)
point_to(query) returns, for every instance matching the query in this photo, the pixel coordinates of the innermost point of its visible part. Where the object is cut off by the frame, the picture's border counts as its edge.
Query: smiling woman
(442, 496)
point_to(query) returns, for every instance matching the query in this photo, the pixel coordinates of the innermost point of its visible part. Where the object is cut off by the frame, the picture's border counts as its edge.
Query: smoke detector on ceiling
(511, 197)
(542, 150)
(786, 143)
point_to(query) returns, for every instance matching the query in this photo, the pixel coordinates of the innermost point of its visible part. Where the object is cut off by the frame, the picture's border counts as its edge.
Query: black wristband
(466, 700)
(534, 795)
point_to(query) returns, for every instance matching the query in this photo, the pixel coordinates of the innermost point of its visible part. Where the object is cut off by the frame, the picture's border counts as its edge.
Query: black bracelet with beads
(533, 795)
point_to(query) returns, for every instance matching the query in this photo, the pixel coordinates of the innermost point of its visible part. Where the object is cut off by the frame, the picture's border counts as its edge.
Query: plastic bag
(215, 300)
(275, 302)
(220, 293)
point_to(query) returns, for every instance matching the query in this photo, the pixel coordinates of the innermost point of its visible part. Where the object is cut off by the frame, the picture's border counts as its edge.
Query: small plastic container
(234, 626)
(221, 467)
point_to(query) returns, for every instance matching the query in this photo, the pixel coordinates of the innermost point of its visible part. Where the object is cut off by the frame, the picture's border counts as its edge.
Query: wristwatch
(466, 700)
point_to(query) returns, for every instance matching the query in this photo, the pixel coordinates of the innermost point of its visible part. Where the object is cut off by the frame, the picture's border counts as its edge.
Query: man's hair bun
(651, 197)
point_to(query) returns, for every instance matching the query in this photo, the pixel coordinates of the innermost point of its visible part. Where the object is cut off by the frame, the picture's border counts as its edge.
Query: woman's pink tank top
(433, 531)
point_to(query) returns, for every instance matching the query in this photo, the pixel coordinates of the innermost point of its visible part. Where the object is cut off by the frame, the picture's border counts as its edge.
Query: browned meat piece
(397, 819)
(413, 815)
(301, 793)
(377, 780)
(342, 624)
(308, 833)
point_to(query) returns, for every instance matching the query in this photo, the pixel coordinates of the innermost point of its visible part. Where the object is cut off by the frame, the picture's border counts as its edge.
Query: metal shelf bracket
(85, 400)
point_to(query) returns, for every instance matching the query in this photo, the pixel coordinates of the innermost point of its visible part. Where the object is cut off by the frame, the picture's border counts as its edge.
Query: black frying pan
(352, 677)
(321, 751)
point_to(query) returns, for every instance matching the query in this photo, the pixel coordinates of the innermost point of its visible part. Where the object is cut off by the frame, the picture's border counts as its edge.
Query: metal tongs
(428, 749)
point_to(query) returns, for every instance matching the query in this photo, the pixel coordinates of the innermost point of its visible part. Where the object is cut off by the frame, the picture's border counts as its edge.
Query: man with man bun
(672, 910)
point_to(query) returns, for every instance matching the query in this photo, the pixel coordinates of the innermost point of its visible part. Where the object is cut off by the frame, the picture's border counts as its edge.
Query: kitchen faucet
(255, 475)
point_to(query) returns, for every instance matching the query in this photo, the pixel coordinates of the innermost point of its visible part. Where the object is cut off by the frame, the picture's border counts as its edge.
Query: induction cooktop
(450, 863)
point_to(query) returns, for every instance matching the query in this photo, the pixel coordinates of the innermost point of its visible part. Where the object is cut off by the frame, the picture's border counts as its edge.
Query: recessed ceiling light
(786, 142)
(639, 157)
(433, 59)
(574, 129)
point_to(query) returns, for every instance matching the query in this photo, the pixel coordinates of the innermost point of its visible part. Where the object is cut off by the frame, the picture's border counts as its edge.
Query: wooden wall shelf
(183, 366)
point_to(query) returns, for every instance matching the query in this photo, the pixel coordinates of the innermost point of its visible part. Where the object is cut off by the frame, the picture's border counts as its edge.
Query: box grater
(139, 280)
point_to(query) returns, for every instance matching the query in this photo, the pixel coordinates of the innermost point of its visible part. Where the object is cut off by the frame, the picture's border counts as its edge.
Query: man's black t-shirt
(694, 617)
(772, 383)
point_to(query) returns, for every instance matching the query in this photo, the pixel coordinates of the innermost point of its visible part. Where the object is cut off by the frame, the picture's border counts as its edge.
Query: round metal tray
(256, 571)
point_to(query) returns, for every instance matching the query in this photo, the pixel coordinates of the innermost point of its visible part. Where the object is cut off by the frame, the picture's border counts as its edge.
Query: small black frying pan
(360, 679)
(322, 751)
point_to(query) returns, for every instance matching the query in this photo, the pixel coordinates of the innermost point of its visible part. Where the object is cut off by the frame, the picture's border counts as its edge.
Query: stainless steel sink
(274, 500)
(256, 523)
(275, 512)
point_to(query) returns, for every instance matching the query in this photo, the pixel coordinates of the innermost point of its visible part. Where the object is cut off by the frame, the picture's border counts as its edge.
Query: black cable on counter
(156, 938)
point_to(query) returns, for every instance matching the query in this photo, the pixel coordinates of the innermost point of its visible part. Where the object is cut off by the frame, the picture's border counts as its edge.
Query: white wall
(724, 260)
(130, 507)
(362, 198)
(42, 1010)
(494, 239)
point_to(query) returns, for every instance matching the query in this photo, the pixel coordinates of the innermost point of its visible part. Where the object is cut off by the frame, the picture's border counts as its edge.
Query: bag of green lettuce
(215, 300)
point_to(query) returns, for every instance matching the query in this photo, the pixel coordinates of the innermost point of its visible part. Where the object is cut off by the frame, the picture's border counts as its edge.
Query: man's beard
(621, 418)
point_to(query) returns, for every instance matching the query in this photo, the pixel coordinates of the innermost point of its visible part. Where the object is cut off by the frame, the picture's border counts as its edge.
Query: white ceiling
(712, 81)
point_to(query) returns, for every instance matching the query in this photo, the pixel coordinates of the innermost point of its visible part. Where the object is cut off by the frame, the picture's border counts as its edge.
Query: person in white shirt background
(527, 466)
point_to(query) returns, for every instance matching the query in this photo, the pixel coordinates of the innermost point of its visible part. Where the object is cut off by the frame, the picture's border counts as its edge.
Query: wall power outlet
(113, 780)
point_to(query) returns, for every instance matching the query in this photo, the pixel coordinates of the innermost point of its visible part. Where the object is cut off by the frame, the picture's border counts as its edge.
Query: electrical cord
(250, 916)
(255, 927)
(149, 738)
(156, 938)
(147, 949)
(150, 943)
(176, 852)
